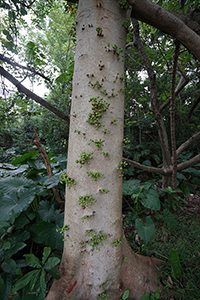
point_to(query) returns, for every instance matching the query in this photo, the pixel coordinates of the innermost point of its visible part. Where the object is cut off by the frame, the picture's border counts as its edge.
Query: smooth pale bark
(87, 272)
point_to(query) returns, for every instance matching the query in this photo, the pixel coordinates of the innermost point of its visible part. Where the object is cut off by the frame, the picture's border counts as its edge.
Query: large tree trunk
(93, 258)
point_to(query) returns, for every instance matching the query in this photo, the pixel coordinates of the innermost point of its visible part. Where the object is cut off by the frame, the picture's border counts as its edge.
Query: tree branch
(14, 64)
(194, 105)
(21, 88)
(143, 167)
(152, 14)
(187, 143)
(182, 83)
(191, 162)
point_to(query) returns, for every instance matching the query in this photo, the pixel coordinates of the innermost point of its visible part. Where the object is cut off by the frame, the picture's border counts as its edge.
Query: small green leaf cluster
(99, 143)
(95, 239)
(114, 122)
(99, 31)
(126, 23)
(79, 132)
(116, 243)
(117, 50)
(62, 230)
(103, 191)
(95, 175)
(86, 200)
(69, 181)
(98, 106)
(124, 4)
(120, 167)
(84, 157)
(106, 154)
(86, 218)
(126, 141)
(106, 131)
(104, 294)
(125, 258)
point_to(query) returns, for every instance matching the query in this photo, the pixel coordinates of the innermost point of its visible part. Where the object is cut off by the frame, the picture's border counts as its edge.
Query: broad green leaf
(46, 233)
(151, 201)
(51, 262)
(16, 203)
(12, 216)
(169, 219)
(17, 184)
(43, 281)
(4, 294)
(46, 252)
(32, 261)
(14, 249)
(55, 273)
(6, 246)
(22, 282)
(125, 295)
(46, 211)
(175, 263)
(35, 281)
(23, 158)
(129, 186)
(2, 284)
(145, 297)
(145, 230)
(9, 266)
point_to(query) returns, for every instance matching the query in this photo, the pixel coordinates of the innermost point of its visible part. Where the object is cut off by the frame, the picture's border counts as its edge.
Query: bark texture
(92, 262)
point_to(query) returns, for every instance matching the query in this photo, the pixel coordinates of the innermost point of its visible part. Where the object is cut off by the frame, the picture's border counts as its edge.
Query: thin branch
(145, 168)
(189, 163)
(172, 116)
(194, 105)
(21, 88)
(31, 69)
(182, 83)
(187, 143)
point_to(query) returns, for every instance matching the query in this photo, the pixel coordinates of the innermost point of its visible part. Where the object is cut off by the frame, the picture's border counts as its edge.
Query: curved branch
(14, 64)
(145, 168)
(21, 88)
(196, 102)
(187, 143)
(191, 162)
(182, 83)
(152, 14)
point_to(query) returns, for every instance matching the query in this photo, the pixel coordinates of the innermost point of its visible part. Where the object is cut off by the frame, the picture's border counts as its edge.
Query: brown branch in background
(194, 105)
(172, 115)
(21, 88)
(16, 65)
(48, 166)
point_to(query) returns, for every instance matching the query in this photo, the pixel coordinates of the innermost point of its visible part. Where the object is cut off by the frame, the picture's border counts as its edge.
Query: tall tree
(97, 260)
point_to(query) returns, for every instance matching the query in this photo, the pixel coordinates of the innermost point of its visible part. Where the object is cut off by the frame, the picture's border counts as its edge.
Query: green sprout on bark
(84, 158)
(99, 31)
(65, 179)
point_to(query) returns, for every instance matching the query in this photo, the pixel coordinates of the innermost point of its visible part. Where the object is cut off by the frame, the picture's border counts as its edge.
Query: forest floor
(185, 239)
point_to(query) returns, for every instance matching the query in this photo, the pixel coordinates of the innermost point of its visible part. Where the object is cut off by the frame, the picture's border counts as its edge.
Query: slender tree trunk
(172, 117)
(95, 247)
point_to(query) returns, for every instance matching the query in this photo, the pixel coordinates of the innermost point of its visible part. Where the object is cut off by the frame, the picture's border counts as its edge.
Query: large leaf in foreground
(9, 185)
(145, 230)
(15, 202)
(46, 233)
